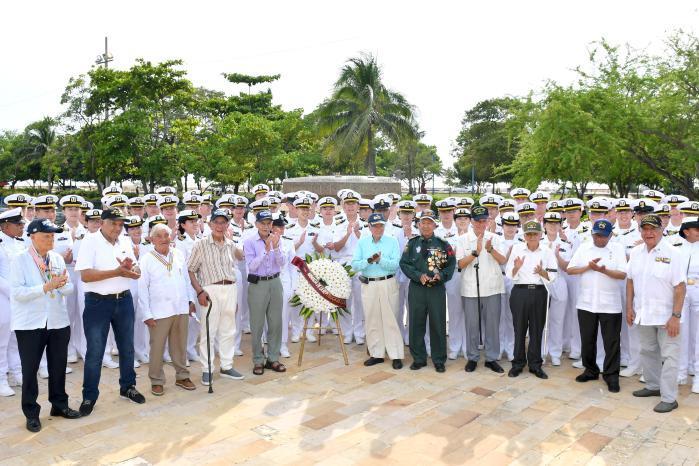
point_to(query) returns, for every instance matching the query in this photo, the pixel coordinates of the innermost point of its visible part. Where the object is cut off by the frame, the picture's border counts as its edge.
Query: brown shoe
(157, 390)
(186, 384)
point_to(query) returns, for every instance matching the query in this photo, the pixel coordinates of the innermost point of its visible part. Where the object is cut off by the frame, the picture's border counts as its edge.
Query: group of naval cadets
(612, 283)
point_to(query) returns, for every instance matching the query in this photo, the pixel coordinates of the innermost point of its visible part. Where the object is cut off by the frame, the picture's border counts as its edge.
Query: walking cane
(208, 347)
(478, 297)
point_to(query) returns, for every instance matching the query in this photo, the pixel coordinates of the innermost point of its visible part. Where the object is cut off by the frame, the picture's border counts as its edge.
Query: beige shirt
(212, 262)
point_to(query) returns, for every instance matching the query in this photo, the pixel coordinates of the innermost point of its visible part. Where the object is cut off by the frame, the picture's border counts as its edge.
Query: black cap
(113, 214)
(43, 225)
(479, 213)
(279, 221)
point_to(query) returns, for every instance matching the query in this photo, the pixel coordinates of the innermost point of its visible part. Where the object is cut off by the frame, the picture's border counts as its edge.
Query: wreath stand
(320, 328)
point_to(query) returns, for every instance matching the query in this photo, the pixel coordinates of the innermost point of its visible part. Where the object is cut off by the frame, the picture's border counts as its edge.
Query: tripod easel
(320, 329)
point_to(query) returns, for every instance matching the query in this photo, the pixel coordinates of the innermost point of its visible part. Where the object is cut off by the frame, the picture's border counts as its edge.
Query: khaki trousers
(172, 330)
(380, 303)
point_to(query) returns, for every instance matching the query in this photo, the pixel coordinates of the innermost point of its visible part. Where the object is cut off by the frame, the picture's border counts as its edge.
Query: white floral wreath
(335, 277)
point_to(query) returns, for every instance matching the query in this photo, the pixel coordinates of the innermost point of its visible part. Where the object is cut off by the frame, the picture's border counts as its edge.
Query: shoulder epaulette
(314, 224)
(291, 225)
(520, 239)
(145, 242)
(499, 233)
(180, 236)
(627, 232)
(397, 225)
(584, 229)
(247, 225)
(19, 239)
(340, 221)
(80, 237)
(677, 244)
(286, 237)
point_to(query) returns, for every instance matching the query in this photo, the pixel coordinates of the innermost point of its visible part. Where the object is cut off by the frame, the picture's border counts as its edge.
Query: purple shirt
(261, 262)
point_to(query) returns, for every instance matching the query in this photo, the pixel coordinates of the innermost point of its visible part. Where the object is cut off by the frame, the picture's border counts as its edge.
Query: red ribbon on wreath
(315, 283)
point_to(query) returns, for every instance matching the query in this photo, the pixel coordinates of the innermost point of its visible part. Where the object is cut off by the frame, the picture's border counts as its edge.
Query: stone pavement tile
(591, 442)
(482, 391)
(570, 458)
(324, 420)
(461, 418)
(377, 377)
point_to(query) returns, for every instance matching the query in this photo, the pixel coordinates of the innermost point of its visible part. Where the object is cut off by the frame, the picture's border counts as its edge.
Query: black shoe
(439, 367)
(397, 364)
(33, 424)
(539, 372)
(613, 386)
(514, 372)
(586, 377)
(65, 412)
(373, 361)
(132, 395)
(471, 366)
(86, 407)
(494, 366)
(417, 365)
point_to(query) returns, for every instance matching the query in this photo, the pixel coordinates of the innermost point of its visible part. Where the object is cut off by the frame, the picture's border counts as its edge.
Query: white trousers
(221, 325)
(9, 355)
(402, 311)
(456, 325)
(352, 324)
(571, 332)
(379, 302)
(689, 349)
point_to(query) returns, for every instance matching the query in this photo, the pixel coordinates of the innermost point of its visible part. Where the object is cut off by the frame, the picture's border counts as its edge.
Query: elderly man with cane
(40, 320)
(480, 253)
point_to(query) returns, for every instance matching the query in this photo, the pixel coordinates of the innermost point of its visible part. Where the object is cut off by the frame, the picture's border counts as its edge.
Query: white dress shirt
(31, 307)
(598, 292)
(99, 254)
(163, 293)
(655, 274)
(525, 275)
(489, 272)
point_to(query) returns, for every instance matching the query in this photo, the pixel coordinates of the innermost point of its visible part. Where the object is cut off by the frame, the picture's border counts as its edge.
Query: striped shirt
(212, 262)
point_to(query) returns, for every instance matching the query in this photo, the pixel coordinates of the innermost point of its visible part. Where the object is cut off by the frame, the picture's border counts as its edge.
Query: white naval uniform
(456, 325)
(558, 305)
(9, 355)
(571, 327)
(242, 316)
(689, 330)
(507, 330)
(630, 344)
(352, 324)
(184, 243)
(294, 231)
(289, 278)
(403, 282)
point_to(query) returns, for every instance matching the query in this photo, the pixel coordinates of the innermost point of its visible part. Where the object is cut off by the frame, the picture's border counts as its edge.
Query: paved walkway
(328, 413)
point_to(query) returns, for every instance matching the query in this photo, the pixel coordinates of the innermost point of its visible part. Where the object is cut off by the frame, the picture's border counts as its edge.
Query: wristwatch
(677, 314)
(474, 253)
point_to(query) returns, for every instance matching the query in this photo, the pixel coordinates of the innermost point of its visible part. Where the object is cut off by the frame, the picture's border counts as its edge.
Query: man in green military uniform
(428, 261)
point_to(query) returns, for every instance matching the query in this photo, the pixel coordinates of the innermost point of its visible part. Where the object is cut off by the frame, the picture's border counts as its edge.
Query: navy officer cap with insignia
(12, 216)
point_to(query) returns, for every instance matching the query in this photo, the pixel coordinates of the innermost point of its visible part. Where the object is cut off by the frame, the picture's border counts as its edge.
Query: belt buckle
(531, 287)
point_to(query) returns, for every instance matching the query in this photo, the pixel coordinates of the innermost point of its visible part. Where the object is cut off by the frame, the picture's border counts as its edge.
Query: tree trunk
(370, 161)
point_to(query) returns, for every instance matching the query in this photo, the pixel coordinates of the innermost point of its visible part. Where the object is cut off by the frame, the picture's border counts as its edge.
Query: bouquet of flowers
(324, 285)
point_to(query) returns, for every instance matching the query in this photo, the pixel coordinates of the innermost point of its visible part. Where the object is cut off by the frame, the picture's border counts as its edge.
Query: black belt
(366, 280)
(224, 282)
(530, 287)
(459, 270)
(269, 277)
(119, 295)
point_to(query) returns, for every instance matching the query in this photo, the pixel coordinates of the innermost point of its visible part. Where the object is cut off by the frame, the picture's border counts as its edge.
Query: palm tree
(359, 108)
(40, 137)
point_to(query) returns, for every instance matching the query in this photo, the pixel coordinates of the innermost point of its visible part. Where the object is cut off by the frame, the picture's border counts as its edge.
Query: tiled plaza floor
(329, 413)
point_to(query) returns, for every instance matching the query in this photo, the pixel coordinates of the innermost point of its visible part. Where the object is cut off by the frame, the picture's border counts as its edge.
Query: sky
(444, 56)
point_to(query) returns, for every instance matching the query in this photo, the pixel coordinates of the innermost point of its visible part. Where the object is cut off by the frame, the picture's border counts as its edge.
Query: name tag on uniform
(664, 260)
(61, 239)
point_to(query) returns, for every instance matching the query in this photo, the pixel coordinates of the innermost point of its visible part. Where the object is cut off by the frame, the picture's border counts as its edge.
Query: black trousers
(31, 345)
(528, 308)
(610, 327)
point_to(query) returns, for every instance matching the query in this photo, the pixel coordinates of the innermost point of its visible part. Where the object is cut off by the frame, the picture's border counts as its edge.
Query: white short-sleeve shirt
(655, 274)
(598, 292)
(99, 254)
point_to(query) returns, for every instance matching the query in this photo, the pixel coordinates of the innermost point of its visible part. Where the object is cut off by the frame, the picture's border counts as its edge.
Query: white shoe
(695, 385)
(295, 339)
(115, 352)
(167, 359)
(72, 358)
(629, 372)
(43, 373)
(136, 364)
(359, 340)
(285, 353)
(574, 356)
(144, 359)
(186, 362)
(238, 352)
(5, 389)
(682, 380)
(246, 330)
(348, 340)
(110, 363)
(642, 379)
(578, 364)
(624, 363)
(452, 355)
(69, 370)
(310, 337)
(555, 361)
(15, 380)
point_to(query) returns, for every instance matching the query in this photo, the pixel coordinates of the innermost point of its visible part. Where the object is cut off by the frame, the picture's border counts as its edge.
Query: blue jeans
(98, 315)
